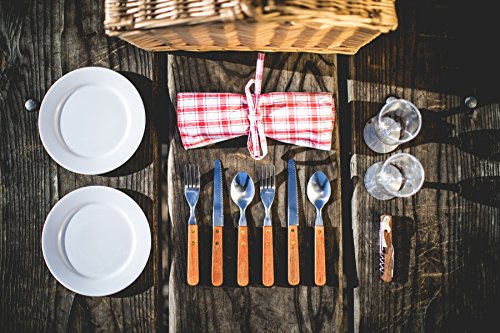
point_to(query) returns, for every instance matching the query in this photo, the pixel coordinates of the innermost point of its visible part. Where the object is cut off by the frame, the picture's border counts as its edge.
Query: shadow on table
(143, 156)
(403, 232)
(146, 278)
(482, 190)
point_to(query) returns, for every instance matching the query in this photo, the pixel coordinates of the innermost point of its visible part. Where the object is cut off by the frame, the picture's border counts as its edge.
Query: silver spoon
(318, 192)
(242, 192)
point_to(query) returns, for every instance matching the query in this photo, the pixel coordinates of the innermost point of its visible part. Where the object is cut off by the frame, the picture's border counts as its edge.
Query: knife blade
(218, 224)
(293, 222)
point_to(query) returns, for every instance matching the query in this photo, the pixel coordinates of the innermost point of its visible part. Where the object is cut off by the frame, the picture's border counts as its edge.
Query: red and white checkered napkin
(304, 119)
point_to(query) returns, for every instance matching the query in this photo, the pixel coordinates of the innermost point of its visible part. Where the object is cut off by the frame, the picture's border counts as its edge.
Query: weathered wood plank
(253, 308)
(446, 236)
(39, 42)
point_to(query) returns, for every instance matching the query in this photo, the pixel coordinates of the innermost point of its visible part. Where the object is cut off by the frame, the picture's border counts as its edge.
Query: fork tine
(261, 171)
(190, 173)
(185, 175)
(264, 180)
(268, 176)
(197, 176)
(264, 175)
(193, 179)
(273, 177)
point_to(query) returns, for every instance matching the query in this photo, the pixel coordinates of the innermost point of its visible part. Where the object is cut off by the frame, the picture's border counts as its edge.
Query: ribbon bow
(256, 137)
(304, 119)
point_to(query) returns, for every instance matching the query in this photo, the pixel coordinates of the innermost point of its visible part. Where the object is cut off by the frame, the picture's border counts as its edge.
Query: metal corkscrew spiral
(381, 262)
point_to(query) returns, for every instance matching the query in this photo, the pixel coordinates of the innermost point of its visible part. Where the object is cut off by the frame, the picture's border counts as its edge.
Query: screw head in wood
(31, 105)
(391, 99)
(471, 102)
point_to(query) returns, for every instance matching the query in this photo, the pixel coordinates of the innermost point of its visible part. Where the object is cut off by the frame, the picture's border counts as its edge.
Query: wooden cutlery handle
(267, 257)
(217, 261)
(319, 256)
(242, 269)
(193, 276)
(293, 256)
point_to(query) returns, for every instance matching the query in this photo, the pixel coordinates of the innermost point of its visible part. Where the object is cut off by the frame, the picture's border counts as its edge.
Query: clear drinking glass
(401, 175)
(397, 122)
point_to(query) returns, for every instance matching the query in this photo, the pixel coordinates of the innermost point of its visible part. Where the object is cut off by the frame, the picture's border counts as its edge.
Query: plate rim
(139, 125)
(133, 276)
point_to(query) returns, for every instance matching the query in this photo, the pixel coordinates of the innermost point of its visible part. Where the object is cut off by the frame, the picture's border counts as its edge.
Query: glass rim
(411, 106)
(414, 159)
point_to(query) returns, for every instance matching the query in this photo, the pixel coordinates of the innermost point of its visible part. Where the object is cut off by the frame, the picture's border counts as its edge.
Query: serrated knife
(293, 223)
(218, 224)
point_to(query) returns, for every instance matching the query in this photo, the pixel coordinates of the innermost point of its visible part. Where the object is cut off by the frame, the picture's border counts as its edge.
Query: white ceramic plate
(96, 241)
(91, 120)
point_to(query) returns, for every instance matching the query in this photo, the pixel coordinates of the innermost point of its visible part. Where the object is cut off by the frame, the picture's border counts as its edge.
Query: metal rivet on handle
(31, 105)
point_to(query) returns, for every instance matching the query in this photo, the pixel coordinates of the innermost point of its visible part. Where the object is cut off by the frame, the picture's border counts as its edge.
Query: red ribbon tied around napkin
(304, 119)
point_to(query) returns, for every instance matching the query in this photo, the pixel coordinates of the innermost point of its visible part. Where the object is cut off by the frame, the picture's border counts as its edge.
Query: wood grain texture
(39, 42)
(293, 256)
(319, 256)
(217, 256)
(193, 269)
(242, 275)
(253, 308)
(446, 237)
(267, 256)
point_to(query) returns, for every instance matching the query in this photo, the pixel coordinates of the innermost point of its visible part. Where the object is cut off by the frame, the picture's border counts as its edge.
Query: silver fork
(267, 179)
(192, 189)
(192, 194)
(267, 190)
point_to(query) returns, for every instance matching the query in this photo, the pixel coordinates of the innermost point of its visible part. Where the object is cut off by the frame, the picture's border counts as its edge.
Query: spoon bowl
(242, 191)
(318, 190)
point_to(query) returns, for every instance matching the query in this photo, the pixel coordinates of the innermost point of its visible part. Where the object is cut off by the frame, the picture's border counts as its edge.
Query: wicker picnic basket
(320, 26)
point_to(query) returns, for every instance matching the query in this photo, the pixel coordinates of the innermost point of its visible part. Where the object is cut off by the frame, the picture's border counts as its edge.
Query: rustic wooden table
(446, 237)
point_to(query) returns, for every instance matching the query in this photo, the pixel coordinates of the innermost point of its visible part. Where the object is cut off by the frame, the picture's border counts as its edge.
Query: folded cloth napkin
(304, 119)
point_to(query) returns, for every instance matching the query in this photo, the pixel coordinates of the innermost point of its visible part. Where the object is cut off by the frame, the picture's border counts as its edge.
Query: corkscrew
(386, 249)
